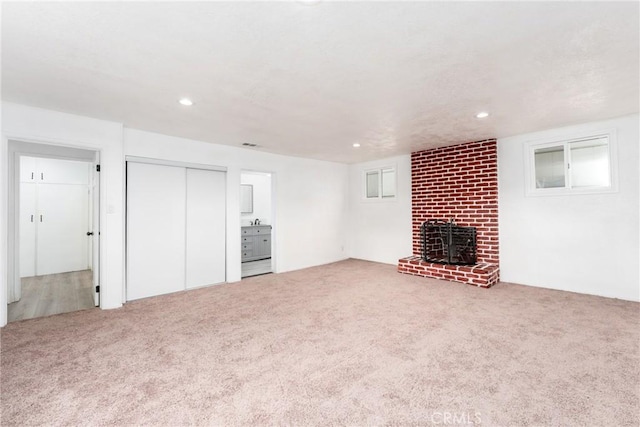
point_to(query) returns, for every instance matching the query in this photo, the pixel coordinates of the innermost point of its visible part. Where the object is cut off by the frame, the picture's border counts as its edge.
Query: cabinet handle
(40, 218)
(31, 218)
(31, 175)
(42, 176)
(264, 240)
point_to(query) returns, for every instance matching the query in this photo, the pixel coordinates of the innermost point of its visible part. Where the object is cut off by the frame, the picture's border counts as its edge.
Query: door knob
(89, 233)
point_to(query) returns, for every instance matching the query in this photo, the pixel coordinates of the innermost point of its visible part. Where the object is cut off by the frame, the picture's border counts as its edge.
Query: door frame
(95, 227)
(274, 216)
(18, 147)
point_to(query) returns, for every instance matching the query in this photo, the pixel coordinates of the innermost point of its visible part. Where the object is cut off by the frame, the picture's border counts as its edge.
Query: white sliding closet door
(156, 220)
(206, 228)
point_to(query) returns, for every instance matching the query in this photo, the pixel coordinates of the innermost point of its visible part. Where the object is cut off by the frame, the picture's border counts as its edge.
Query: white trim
(163, 162)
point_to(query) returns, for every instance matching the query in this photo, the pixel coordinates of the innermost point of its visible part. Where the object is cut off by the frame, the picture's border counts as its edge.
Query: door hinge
(98, 289)
(97, 168)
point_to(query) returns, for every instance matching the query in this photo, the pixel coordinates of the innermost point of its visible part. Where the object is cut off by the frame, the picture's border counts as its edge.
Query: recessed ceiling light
(186, 101)
(356, 145)
(482, 115)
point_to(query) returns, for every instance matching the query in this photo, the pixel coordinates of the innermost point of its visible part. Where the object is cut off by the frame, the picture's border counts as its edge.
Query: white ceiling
(312, 80)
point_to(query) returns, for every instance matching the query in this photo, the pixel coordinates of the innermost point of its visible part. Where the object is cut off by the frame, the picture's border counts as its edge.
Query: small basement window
(380, 183)
(571, 166)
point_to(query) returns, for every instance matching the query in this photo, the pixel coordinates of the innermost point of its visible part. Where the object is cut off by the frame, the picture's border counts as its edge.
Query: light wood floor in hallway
(53, 294)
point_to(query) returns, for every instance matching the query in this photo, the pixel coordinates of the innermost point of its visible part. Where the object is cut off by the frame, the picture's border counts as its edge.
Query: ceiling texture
(310, 80)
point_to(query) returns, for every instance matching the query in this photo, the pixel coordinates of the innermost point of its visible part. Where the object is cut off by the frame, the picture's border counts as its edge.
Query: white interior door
(62, 224)
(27, 229)
(206, 228)
(156, 217)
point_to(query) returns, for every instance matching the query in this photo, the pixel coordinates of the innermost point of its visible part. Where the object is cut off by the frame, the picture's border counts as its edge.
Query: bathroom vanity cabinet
(256, 242)
(256, 250)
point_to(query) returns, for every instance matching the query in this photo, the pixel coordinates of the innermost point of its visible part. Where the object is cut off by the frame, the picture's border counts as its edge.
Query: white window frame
(565, 142)
(380, 198)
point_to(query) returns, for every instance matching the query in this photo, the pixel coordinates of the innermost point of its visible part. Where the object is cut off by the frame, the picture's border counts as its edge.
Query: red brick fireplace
(458, 182)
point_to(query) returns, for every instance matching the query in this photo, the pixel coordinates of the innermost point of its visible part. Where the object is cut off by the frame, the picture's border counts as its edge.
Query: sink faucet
(256, 222)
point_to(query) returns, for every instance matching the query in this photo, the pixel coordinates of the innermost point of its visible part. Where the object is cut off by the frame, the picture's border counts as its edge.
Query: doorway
(54, 210)
(257, 223)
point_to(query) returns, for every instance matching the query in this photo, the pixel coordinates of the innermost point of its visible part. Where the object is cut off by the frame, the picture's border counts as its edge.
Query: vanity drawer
(260, 230)
(256, 230)
(246, 239)
(247, 246)
(247, 254)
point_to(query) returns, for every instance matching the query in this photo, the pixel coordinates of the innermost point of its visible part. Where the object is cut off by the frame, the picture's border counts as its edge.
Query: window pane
(590, 163)
(372, 185)
(549, 167)
(388, 183)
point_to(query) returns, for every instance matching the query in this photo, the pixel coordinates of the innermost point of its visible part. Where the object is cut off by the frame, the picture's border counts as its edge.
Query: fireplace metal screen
(446, 243)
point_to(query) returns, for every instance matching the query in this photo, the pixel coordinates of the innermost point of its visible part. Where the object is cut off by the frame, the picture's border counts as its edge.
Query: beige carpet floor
(350, 343)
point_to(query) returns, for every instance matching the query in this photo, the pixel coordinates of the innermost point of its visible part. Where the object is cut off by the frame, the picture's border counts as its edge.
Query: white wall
(310, 197)
(321, 217)
(582, 243)
(30, 124)
(261, 184)
(380, 230)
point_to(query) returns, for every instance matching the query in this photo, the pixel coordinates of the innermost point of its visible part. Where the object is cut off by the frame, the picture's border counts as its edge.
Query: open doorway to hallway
(56, 244)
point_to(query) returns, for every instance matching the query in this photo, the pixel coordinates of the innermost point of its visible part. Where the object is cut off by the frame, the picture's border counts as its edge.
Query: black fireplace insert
(444, 242)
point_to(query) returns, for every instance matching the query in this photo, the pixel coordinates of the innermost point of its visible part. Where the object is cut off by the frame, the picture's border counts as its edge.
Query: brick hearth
(457, 182)
(482, 274)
